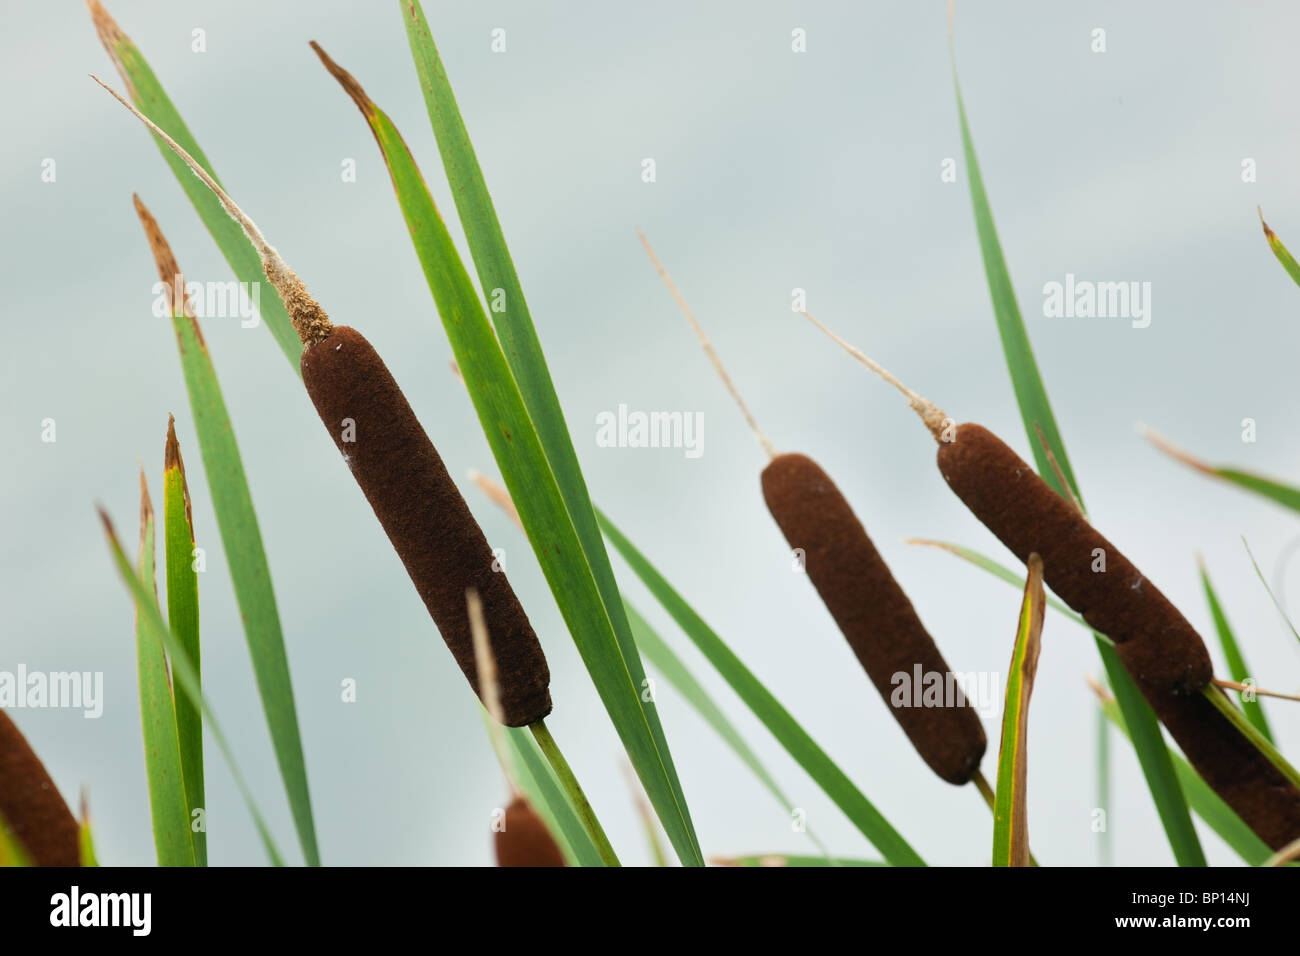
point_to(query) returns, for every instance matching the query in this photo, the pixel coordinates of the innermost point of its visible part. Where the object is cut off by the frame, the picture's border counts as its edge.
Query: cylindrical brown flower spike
(31, 805)
(871, 610)
(855, 584)
(1156, 643)
(425, 516)
(402, 476)
(523, 839)
(1158, 647)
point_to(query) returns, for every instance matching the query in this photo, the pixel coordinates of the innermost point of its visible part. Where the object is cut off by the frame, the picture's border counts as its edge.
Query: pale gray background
(775, 170)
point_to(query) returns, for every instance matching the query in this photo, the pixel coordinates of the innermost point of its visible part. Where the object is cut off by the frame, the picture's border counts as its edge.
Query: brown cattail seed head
(523, 839)
(1156, 643)
(31, 805)
(872, 611)
(425, 517)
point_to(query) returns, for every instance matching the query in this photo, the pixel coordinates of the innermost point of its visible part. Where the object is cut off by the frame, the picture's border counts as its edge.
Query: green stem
(569, 783)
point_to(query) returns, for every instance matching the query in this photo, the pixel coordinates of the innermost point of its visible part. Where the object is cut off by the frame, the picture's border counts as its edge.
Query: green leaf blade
(167, 806)
(183, 618)
(241, 539)
(1010, 808)
(1232, 653)
(815, 762)
(151, 99)
(1036, 413)
(528, 474)
(521, 345)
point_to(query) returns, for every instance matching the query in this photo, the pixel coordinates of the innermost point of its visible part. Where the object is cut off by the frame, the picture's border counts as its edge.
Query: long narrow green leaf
(1247, 730)
(766, 708)
(998, 571)
(86, 842)
(1010, 806)
(523, 352)
(1149, 744)
(162, 755)
(12, 852)
(1220, 817)
(1283, 256)
(183, 618)
(1036, 413)
(594, 624)
(1276, 491)
(536, 779)
(186, 678)
(1232, 653)
(150, 98)
(242, 540)
(674, 670)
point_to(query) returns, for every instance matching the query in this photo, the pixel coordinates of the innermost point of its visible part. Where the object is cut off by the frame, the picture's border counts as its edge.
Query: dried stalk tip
(707, 346)
(935, 420)
(309, 320)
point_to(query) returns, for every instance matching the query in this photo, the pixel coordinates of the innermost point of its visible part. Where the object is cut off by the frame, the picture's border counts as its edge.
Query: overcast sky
(775, 170)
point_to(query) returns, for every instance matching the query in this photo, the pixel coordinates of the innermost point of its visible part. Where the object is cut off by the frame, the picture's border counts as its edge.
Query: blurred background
(775, 170)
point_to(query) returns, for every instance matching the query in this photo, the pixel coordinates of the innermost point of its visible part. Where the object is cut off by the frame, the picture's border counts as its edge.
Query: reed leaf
(183, 618)
(242, 539)
(523, 353)
(162, 757)
(1036, 413)
(570, 569)
(1220, 817)
(1010, 806)
(155, 628)
(1232, 654)
(150, 99)
(1280, 251)
(815, 762)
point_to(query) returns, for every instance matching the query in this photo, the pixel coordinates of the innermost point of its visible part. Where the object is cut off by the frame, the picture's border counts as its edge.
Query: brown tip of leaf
(112, 36)
(172, 459)
(346, 80)
(165, 261)
(1164, 445)
(1267, 231)
(172, 450)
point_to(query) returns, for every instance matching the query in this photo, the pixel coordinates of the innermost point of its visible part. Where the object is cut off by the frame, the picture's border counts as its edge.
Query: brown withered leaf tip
(168, 270)
(111, 35)
(346, 80)
(1272, 236)
(146, 515)
(172, 459)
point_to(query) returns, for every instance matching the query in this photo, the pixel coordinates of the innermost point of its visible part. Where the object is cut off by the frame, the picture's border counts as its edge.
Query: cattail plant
(1158, 647)
(402, 476)
(30, 805)
(875, 616)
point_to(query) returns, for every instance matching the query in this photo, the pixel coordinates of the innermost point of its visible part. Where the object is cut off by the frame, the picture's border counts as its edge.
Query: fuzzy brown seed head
(524, 839)
(30, 803)
(872, 611)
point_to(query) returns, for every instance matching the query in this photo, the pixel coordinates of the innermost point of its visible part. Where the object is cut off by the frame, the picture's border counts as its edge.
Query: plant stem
(569, 783)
